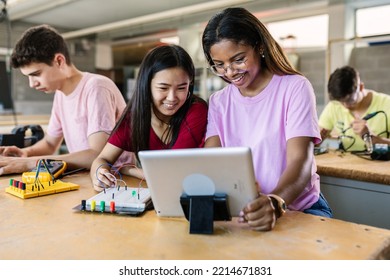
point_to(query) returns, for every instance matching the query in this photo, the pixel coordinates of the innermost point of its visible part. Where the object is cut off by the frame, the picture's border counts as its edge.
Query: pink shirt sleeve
(95, 105)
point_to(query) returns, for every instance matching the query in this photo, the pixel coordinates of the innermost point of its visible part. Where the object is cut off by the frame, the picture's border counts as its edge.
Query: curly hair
(39, 44)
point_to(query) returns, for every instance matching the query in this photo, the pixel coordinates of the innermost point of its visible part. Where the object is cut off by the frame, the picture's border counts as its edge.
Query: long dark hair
(242, 27)
(138, 111)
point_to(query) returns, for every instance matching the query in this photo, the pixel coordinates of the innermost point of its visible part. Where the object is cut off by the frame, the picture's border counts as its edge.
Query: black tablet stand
(202, 210)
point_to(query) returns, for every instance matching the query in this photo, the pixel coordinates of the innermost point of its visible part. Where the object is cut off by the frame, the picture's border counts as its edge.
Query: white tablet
(204, 171)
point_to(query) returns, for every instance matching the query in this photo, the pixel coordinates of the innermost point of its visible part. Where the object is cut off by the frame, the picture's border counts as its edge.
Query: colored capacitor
(93, 205)
(112, 206)
(83, 205)
(102, 205)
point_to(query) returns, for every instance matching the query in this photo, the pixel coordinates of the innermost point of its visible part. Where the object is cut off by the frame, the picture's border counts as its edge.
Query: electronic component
(381, 152)
(119, 200)
(45, 171)
(28, 190)
(42, 180)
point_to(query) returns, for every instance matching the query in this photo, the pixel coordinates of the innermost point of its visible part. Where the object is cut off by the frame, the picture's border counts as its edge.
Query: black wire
(362, 154)
(72, 172)
(341, 144)
(386, 123)
(46, 164)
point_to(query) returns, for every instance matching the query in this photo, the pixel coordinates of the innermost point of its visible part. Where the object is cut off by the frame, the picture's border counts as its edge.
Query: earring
(188, 95)
(262, 53)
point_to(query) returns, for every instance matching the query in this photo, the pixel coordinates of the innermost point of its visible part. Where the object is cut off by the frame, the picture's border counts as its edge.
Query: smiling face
(239, 63)
(170, 89)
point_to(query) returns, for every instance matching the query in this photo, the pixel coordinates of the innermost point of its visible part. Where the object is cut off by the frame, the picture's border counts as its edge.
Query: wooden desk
(350, 166)
(24, 119)
(357, 189)
(7, 122)
(48, 228)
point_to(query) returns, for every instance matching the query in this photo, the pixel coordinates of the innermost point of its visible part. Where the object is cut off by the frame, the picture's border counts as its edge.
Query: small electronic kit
(46, 170)
(122, 200)
(42, 180)
(118, 199)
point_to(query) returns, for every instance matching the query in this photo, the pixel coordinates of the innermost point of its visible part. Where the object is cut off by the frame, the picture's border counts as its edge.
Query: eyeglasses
(236, 65)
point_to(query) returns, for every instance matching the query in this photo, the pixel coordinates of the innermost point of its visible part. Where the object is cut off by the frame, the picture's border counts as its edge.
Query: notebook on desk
(207, 171)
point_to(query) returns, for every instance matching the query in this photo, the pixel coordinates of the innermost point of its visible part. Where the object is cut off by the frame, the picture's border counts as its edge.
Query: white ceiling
(79, 14)
(85, 17)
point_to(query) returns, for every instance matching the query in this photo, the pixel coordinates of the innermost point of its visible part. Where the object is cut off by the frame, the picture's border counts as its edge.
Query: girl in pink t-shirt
(163, 113)
(269, 107)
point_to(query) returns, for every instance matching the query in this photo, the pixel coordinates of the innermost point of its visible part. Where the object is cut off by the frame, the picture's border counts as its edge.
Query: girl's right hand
(104, 179)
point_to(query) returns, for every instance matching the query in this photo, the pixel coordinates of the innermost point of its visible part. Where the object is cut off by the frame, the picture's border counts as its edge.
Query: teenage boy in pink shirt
(85, 109)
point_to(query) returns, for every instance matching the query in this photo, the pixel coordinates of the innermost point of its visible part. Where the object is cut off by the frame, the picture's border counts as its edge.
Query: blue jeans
(320, 208)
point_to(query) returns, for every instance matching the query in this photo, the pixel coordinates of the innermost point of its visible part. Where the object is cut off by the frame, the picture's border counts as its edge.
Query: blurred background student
(354, 112)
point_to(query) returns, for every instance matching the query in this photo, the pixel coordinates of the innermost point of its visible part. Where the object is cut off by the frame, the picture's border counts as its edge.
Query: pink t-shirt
(94, 106)
(284, 109)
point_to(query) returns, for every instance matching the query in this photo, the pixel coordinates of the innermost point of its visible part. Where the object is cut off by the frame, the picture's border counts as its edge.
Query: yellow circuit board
(26, 190)
(52, 169)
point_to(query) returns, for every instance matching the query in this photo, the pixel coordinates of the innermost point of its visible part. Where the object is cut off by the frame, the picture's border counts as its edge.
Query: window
(305, 32)
(373, 21)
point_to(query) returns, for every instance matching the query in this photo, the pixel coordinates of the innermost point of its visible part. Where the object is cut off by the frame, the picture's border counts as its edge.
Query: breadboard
(123, 200)
(26, 190)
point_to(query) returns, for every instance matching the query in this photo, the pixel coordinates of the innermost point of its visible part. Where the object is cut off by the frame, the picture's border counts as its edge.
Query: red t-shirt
(191, 134)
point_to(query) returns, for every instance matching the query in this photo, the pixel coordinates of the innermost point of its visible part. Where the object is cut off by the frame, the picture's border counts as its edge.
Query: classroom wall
(373, 64)
(312, 65)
